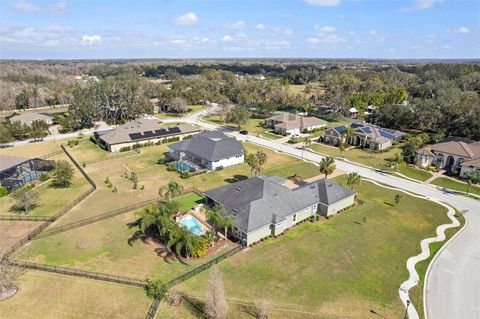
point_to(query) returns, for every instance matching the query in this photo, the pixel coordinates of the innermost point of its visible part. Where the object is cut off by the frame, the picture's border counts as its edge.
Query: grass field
(342, 267)
(50, 200)
(46, 296)
(253, 127)
(451, 184)
(12, 232)
(373, 159)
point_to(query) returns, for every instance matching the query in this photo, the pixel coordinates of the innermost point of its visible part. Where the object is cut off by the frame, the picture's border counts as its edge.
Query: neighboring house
(17, 171)
(210, 150)
(353, 112)
(366, 136)
(28, 118)
(142, 131)
(263, 206)
(452, 153)
(289, 123)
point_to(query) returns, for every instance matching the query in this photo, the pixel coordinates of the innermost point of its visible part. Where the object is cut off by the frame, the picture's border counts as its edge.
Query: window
(278, 225)
(295, 217)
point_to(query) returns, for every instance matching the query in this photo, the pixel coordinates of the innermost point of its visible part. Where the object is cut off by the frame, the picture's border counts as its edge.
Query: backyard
(329, 271)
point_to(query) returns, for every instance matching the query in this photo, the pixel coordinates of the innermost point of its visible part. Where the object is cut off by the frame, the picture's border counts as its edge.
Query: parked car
(243, 132)
(294, 136)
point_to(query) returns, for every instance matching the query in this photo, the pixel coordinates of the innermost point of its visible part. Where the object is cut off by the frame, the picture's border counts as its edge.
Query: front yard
(373, 159)
(343, 267)
(253, 127)
(457, 186)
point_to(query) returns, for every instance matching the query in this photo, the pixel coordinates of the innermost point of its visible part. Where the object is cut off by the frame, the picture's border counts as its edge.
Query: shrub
(156, 288)
(107, 180)
(134, 186)
(142, 187)
(114, 190)
(125, 149)
(44, 177)
(84, 165)
(3, 191)
(171, 167)
(185, 175)
(161, 160)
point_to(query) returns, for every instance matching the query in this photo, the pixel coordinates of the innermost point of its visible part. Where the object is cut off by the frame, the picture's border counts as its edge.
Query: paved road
(453, 285)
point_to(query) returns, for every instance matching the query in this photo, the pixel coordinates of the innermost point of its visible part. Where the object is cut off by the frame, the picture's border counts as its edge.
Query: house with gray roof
(365, 135)
(263, 206)
(142, 131)
(210, 150)
(16, 171)
(28, 118)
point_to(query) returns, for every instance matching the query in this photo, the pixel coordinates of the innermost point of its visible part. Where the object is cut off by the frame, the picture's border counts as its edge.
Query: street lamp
(406, 310)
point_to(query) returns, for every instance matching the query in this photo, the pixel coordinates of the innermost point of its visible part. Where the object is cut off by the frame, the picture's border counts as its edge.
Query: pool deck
(202, 218)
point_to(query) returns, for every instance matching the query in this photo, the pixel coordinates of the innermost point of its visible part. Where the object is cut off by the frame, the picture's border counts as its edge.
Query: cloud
(237, 25)
(323, 3)
(324, 29)
(463, 30)
(421, 5)
(58, 7)
(178, 41)
(372, 32)
(25, 6)
(329, 39)
(260, 26)
(91, 39)
(277, 45)
(45, 36)
(187, 19)
(286, 31)
(227, 38)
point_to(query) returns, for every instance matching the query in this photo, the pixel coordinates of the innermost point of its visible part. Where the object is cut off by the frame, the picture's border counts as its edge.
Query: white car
(294, 136)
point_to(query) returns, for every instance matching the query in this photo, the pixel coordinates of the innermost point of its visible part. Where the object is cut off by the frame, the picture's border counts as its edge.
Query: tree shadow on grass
(195, 306)
(388, 204)
(236, 178)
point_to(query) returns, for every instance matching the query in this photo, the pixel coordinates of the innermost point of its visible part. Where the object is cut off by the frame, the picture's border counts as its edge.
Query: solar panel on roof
(135, 136)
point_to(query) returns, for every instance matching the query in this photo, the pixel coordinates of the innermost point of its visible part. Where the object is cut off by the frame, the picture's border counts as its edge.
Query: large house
(289, 123)
(142, 131)
(210, 150)
(452, 153)
(366, 136)
(18, 171)
(263, 206)
(28, 118)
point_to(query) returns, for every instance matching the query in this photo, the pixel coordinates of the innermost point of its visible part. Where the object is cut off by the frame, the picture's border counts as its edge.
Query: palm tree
(353, 180)
(396, 162)
(341, 148)
(472, 178)
(251, 161)
(306, 142)
(172, 189)
(327, 166)
(213, 214)
(349, 133)
(261, 160)
(227, 223)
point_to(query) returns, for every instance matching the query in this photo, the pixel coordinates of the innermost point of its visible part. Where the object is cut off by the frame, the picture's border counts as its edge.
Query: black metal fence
(30, 236)
(152, 311)
(80, 273)
(204, 266)
(52, 154)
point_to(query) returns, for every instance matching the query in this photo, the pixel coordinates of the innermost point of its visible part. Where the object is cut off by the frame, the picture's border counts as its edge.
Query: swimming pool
(184, 167)
(193, 225)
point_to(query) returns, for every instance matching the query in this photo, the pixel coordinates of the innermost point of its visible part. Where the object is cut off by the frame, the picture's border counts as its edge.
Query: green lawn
(189, 200)
(191, 109)
(451, 184)
(50, 200)
(51, 296)
(373, 159)
(253, 127)
(343, 267)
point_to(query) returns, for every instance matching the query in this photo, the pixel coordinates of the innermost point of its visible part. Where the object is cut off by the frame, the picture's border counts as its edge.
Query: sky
(87, 29)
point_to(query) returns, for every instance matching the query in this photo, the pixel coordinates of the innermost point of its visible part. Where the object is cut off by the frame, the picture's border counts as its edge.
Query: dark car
(243, 132)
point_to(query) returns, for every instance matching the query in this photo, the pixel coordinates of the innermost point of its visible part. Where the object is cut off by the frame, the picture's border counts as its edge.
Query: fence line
(80, 273)
(51, 154)
(26, 218)
(30, 236)
(152, 311)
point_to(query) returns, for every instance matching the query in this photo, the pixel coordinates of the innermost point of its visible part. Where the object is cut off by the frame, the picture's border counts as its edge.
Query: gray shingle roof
(29, 117)
(211, 146)
(260, 201)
